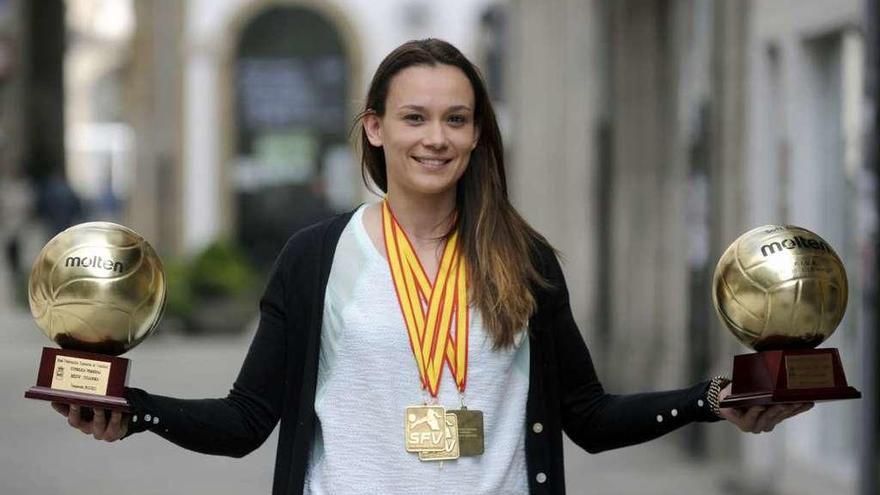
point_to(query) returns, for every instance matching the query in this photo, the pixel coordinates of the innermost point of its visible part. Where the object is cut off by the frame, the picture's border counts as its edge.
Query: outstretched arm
(234, 425)
(598, 421)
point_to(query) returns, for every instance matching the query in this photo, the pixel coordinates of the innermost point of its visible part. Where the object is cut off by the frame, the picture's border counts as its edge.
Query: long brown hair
(497, 242)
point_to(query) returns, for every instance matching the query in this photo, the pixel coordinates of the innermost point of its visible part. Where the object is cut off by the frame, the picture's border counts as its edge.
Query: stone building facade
(649, 135)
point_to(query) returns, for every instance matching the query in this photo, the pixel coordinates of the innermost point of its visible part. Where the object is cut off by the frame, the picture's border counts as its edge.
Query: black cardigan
(278, 378)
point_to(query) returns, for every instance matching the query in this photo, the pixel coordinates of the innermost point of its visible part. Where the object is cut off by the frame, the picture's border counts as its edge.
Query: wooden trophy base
(86, 379)
(788, 376)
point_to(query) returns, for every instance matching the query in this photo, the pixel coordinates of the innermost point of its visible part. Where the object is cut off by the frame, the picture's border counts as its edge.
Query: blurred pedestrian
(58, 204)
(16, 210)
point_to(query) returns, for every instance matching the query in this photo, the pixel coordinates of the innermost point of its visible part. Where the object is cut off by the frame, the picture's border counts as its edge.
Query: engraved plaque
(809, 371)
(470, 431)
(80, 375)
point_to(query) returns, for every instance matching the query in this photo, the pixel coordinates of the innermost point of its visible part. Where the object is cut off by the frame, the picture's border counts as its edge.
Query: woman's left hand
(757, 419)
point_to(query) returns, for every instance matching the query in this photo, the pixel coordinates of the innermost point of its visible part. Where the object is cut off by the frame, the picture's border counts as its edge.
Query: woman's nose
(435, 135)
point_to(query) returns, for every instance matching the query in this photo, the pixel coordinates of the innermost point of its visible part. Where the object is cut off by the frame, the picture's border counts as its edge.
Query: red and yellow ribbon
(430, 311)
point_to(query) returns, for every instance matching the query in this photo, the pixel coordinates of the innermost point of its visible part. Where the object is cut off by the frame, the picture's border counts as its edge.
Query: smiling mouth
(432, 162)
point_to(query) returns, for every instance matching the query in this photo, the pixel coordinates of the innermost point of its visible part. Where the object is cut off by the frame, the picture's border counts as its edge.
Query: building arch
(313, 47)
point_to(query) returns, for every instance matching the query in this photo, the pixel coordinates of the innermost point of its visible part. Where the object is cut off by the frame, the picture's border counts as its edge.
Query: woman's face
(428, 130)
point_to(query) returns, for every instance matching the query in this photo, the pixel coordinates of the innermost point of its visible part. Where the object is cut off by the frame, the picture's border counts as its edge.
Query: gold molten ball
(97, 287)
(780, 287)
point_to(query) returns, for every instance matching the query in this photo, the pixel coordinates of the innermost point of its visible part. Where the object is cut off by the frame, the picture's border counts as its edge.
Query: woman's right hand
(98, 426)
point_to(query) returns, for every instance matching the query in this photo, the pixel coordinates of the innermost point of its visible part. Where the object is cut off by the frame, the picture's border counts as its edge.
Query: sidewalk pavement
(40, 454)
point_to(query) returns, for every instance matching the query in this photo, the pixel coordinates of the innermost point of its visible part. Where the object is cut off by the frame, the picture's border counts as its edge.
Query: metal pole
(869, 477)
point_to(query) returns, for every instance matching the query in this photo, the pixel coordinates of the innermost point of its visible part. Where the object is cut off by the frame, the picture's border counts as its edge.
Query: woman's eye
(413, 117)
(458, 119)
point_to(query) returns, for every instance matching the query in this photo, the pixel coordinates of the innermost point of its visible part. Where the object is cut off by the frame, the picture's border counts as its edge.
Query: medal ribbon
(430, 311)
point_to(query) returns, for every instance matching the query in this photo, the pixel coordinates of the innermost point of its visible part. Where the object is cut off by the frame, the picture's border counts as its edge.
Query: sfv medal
(450, 442)
(425, 428)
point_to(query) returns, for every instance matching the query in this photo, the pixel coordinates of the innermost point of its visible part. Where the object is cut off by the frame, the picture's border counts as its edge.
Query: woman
(367, 312)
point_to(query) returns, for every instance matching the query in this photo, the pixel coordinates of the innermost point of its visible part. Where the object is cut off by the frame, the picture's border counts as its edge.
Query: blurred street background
(642, 137)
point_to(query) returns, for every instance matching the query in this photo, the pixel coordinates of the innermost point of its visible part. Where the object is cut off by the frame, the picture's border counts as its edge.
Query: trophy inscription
(97, 290)
(809, 371)
(81, 375)
(782, 291)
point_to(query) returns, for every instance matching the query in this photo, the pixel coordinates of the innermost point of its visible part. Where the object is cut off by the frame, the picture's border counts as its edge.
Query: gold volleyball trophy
(782, 290)
(97, 290)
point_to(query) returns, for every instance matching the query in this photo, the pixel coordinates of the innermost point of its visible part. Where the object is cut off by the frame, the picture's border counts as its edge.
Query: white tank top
(367, 376)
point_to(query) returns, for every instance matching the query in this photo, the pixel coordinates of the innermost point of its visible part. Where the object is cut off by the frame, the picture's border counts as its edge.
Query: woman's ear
(373, 128)
(476, 137)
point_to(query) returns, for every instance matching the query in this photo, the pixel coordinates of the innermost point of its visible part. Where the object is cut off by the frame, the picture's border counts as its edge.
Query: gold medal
(436, 319)
(450, 442)
(425, 428)
(470, 431)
